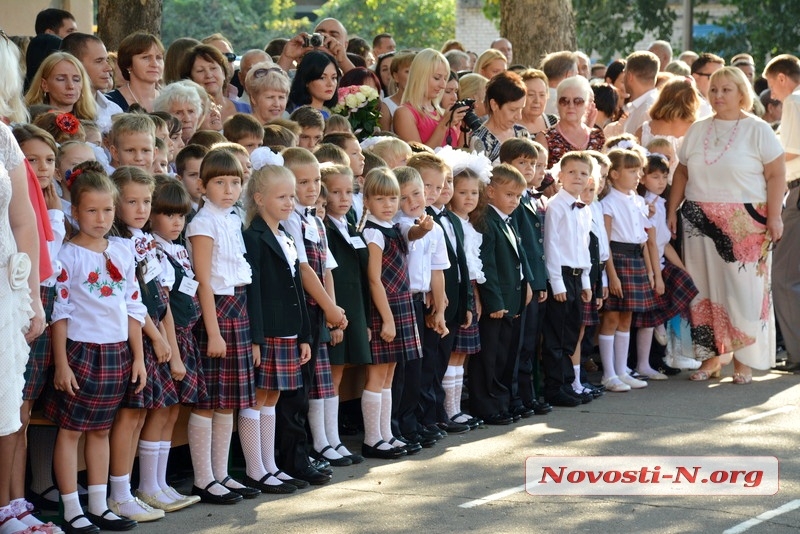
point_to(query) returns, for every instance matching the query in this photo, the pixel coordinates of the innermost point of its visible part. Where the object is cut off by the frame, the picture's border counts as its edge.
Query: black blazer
(503, 289)
(459, 293)
(275, 299)
(529, 228)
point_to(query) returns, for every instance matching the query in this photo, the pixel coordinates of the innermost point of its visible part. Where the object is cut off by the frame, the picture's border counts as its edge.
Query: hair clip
(71, 175)
(68, 123)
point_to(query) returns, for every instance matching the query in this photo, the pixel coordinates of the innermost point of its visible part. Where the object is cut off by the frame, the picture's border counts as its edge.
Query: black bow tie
(537, 195)
(579, 205)
(310, 212)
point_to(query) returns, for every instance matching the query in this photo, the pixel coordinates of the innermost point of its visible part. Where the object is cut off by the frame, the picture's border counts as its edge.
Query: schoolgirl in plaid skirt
(631, 280)
(394, 327)
(97, 341)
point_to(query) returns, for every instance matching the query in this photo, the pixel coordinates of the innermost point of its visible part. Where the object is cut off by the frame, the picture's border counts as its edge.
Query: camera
(315, 39)
(471, 121)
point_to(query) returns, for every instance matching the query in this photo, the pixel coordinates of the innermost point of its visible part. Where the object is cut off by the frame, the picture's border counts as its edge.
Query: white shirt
(472, 249)
(294, 227)
(179, 254)
(629, 222)
(95, 306)
(373, 235)
(790, 133)
(659, 221)
(639, 110)
(551, 107)
(105, 110)
(429, 253)
(289, 252)
(54, 247)
(358, 205)
(229, 269)
(341, 225)
(566, 240)
(599, 230)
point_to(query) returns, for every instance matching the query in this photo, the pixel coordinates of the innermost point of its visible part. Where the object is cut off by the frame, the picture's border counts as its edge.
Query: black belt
(419, 296)
(793, 184)
(628, 249)
(571, 271)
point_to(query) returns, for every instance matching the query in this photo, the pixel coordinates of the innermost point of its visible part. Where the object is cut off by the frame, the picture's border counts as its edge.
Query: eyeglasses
(704, 74)
(230, 56)
(260, 73)
(577, 101)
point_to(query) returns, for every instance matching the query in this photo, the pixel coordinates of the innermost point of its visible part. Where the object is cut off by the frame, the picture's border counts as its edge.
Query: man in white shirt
(641, 69)
(558, 66)
(783, 77)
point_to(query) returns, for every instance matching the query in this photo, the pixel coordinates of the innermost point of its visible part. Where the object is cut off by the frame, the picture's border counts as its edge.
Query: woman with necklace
(571, 133)
(730, 182)
(141, 60)
(505, 99)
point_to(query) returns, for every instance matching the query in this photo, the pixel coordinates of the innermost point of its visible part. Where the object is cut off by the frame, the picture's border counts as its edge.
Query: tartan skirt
(323, 379)
(637, 294)
(589, 314)
(40, 361)
(468, 339)
(406, 344)
(103, 373)
(192, 388)
(680, 290)
(229, 380)
(280, 365)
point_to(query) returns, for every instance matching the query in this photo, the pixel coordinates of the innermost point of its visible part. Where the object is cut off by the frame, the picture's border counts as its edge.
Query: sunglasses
(230, 56)
(577, 101)
(260, 73)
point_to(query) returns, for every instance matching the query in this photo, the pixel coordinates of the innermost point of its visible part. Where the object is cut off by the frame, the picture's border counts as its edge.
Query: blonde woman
(491, 63)
(62, 83)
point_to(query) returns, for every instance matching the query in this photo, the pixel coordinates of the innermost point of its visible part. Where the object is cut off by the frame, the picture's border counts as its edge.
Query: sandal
(742, 379)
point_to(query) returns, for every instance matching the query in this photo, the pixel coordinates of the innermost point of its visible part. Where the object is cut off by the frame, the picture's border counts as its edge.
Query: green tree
(413, 23)
(762, 28)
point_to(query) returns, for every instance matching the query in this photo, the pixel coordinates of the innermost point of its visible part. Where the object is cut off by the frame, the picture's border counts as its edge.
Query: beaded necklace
(727, 145)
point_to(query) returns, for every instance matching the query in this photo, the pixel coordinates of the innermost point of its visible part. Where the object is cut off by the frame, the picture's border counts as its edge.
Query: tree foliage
(246, 23)
(413, 23)
(763, 28)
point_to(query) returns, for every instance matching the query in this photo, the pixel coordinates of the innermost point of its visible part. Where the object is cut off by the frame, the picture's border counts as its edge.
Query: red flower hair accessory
(71, 176)
(68, 123)
(113, 272)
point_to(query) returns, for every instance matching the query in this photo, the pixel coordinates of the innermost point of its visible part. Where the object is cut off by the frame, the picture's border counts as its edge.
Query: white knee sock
(268, 439)
(148, 466)
(164, 448)
(371, 410)
(332, 425)
(449, 386)
(316, 422)
(622, 341)
(250, 437)
(606, 345)
(644, 341)
(386, 418)
(221, 431)
(459, 387)
(576, 384)
(200, 432)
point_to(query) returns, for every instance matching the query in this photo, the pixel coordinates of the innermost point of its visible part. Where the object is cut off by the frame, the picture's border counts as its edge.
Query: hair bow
(264, 156)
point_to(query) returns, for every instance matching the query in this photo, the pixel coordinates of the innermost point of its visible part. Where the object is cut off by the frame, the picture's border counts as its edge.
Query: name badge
(311, 233)
(188, 286)
(152, 269)
(357, 242)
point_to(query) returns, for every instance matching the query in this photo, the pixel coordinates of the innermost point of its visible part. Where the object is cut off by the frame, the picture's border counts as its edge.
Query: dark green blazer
(459, 293)
(530, 230)
(275, 299)
(503, 289)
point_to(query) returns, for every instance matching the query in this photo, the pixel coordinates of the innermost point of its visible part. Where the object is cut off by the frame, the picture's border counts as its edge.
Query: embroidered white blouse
(472, 249)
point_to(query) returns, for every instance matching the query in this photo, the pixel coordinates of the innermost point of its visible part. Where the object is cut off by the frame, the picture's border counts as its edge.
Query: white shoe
(653, 375)
(632, 382)
(615, 384)
(682, 362)
(135, 509)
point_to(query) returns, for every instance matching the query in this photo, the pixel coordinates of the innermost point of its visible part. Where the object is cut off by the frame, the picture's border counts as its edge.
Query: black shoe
(118, 525)
(70, 529)
(426, 443)
(39, 501)
(323, 466)
(790, 367)
(279, 489)
(594, 391)
(436, 428)
(296, 482)
(472, 422)
(560, 398)
(208, 497)
(539, 408)
(372, 451)
(312, 476)
(430, 433)
(498, 419)
(246, 492)
(667, 370)
(336, 462)
(523, 411)
(355, 458)
(584, 397)
(451, 427)
(411, 447)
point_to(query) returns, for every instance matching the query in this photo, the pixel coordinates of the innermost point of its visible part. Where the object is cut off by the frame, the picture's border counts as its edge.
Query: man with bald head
(333, 28)
(663, 51)
(335, 44)
(250, 58)
(504, 45)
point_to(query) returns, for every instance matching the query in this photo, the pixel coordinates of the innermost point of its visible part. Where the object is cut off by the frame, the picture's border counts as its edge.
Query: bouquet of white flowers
(361, 105)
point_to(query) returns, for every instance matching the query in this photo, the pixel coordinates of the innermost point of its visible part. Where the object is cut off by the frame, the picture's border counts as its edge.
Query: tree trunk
(116, 19)
(537, 27)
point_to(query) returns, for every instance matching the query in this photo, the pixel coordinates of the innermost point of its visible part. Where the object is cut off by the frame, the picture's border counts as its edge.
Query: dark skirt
(468, 339)
(103, 373)
(406, 344)
(323, 381)
(354, 348)
(280, 365)
(192, 388)
(230, 382)
(637, 294)
(678, 295)
(40, 361)
(589, 314)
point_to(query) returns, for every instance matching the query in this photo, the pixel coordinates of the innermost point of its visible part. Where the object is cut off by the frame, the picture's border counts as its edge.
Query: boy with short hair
(523, 154)
(160, 158)
(312, 126)
(187, 165)
(133, 138)
(566, 248)
(245, 130)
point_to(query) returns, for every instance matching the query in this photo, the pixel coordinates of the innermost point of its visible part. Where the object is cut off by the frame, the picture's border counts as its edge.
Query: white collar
(216, 210)
(375, 220)
(643, 98)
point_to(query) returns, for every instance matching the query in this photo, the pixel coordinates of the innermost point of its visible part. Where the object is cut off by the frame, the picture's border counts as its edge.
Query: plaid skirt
(37, 370)
(192, 388)
(103, 373)
(468, 339)
(323, 380)
(589, 314)
(680, 290)
(406, 344)
(280, 365)
(229, 380)
(638, 296)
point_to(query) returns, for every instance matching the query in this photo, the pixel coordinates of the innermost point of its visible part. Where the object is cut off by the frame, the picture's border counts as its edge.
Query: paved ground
(428, 492)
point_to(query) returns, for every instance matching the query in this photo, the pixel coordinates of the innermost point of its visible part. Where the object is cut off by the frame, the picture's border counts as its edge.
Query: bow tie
(310, 212)
(537, 195)
(579, 205)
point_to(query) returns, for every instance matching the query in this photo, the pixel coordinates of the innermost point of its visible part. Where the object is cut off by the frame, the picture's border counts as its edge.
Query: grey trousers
(786, 277)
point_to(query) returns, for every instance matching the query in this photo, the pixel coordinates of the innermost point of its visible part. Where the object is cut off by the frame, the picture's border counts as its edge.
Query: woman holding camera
(505, 99)
(420, 118)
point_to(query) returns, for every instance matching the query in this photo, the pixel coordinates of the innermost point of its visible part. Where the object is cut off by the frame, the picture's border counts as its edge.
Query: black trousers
(436, 355)
(523, 390)
(406, 385)
(487, 394)
(562, 324)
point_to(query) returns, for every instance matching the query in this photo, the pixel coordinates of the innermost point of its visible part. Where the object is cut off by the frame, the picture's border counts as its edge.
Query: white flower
(264, 156)
(351, 101)
(368, 92)
(19, 267)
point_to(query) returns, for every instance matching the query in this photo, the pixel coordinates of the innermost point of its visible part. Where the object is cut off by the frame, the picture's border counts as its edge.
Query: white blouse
(229, 269)
(95, 304)
(427, 254)
(54, 247)
(472, 249)
(659, 221)
(178, 253)
(629, 216)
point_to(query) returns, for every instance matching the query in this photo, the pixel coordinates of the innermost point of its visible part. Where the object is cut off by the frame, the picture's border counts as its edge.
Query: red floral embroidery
(64, 293)
(93, 277)
(106, 291)
(135, 295)
(62, 276)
